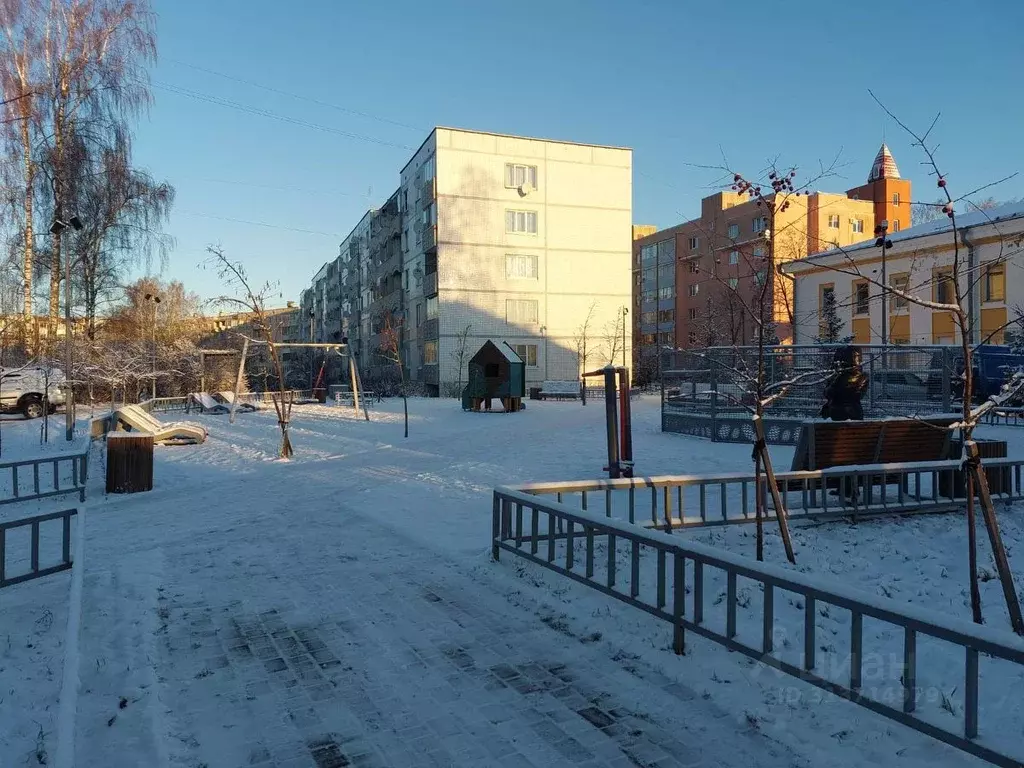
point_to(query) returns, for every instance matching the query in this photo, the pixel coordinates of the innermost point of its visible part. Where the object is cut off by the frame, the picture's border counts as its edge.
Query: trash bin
(535, 393)
(129, 462)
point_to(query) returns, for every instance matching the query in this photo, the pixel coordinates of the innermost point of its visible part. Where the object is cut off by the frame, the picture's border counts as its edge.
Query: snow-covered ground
(250, 611)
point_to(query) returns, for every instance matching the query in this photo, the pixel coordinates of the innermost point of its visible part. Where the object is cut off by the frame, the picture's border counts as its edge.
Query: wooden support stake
(238, 379)
(773, 487)
(995, 537)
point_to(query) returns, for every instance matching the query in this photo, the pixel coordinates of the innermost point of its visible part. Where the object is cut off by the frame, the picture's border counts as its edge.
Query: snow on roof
(510, 354)
(1007, 212)
(884, 166)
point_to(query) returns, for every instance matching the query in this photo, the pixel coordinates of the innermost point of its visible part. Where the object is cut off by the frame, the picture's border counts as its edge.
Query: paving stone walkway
(326, 640)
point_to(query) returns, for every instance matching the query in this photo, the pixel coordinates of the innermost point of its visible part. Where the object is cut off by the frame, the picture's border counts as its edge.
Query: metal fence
(558, 537)
(901, 379)
(43, 477)
(36, 568)
(682, 501)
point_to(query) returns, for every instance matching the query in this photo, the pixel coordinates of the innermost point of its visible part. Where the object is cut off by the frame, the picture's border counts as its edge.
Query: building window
(648, 253)
(833, 221)
(521, 311)
(419, 314)
(857, 225)
(694, 243)
(668, 338)
(648, 295)
(519, 266)
(942, 285)
(666, 273)
(516, 175)
(667, 251)
(648, 339)
(692, 337)
(901, 282)
(649, 318)
(521, 222)
(734, 231)
(666, 316)
(430, 353)
(432, 308)
(994, 286)
(760, 224)
(895, 198)
(734, 257)
(734, 282)
(528, 352)
(692, 313)
(667, 292)
(694, 289)
(761, 276)
(694, 267)
(895, 225)
(861, 297)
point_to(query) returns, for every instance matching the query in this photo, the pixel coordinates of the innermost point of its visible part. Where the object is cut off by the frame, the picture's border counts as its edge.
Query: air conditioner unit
(525, 189)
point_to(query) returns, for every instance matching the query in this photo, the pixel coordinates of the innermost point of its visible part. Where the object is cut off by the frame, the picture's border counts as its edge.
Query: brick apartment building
(691, 281)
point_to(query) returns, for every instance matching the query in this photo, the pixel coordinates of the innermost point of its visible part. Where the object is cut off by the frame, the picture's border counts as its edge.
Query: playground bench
(560, 390)
(827, 444)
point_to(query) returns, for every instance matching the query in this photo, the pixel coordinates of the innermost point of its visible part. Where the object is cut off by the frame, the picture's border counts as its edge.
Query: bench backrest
(824, 444)
(561, 387)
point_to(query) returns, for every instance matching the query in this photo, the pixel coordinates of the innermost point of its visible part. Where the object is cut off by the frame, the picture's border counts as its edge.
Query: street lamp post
(156, 306)
(57, 228)
(883, 242)
(544, 333)
(625, 311)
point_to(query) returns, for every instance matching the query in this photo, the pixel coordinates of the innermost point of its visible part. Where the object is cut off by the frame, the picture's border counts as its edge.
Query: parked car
(906, 386)
(32, 392)
(993, 364)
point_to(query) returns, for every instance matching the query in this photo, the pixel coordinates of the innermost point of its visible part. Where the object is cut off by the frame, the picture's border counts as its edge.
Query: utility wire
(274, 115)
(347, 110)
(257, 185)
(259, 224)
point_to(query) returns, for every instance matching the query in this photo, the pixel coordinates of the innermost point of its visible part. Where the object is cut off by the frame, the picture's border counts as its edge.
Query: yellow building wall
(993, 324)
(943, 328)
(862, 330)
(899, 329)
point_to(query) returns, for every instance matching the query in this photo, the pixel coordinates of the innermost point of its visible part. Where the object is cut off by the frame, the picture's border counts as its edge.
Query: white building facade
(920, 264)
(504, 238)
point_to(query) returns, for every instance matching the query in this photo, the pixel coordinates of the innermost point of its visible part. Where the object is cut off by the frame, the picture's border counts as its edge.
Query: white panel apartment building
(517, 239)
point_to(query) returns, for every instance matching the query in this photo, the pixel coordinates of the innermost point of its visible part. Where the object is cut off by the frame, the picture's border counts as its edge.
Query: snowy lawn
(230, 532)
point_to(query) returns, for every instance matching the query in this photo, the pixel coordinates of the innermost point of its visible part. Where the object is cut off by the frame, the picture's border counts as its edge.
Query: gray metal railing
(45, 476)
(35, 569)
(549, 533)
(680, 501)
(165, 404)
(1004, 417)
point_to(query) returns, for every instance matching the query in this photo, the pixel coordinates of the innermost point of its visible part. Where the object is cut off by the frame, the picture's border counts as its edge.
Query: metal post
(627, 424)
(69, 402)
(238, 379)
(156, 309)
(611, 406)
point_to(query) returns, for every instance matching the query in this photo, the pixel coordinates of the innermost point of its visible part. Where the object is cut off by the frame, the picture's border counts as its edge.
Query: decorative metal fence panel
(43, 477)
(47, 542)
(718, 383)
(696, 588)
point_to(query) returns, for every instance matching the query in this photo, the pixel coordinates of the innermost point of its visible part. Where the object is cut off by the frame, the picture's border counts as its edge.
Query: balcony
(428, 236)
(428, 192)
(430, 329)
(430, 284)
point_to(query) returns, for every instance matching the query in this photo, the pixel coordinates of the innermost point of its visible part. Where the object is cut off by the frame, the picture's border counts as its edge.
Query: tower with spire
(887, 190)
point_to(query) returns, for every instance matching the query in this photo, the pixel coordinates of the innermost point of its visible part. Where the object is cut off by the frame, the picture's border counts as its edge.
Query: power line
(274, 115)
(257, 185)
(259, 224)
(311, 100)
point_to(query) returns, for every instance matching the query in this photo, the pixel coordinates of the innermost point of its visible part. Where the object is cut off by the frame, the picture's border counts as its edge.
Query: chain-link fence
(722, 381)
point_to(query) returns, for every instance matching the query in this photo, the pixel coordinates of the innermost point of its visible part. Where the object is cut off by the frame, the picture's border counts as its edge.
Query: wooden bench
(560, 390)
(827, 444)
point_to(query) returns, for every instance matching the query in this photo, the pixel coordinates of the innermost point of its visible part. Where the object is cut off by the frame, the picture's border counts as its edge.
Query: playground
(343, 605)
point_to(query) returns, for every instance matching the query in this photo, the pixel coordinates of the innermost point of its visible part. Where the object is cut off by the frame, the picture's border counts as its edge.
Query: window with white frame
(432, 308)
(734, 231)
(833, 221)
(521, 311)
(895, 198)
(517, 175)
(760, 224)
(667, 292)
(857, 225)
(521, 266)
(649, 318)
(692, 313)
(528, 352)
(759, 252)
(430, 353)
(734, 282)
(895, 225)
(734, 257)
(694, 243)
(521, 222)
(648, 253)
(694, 267)
(694, 289)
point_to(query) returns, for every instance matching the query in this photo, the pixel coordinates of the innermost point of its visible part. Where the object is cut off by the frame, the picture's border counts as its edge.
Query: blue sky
(679, 82)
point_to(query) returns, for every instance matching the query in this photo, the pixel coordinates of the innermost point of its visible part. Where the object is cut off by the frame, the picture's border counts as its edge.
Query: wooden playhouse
(495, 371)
